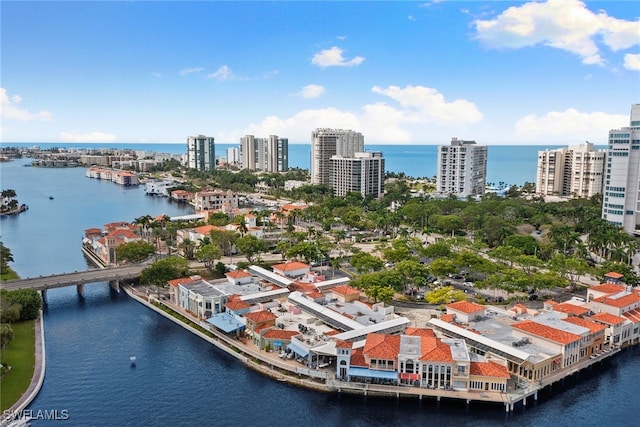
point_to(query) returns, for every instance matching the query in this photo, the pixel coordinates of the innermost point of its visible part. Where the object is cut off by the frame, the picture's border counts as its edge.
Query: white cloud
(155, 74)
(86, 137)
(563, 24)
(190, 70)
(269, 74)
(311, 91)
(333, 58)
(424, 104)
(10, 110)
(379, 122)
(632, 61)
(569, 124)
(222, 73)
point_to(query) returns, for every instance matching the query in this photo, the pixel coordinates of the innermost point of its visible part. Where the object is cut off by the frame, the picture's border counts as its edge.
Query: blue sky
(509, 73)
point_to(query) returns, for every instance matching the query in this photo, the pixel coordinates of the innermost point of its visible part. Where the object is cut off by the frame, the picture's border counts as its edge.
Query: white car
(470, 284)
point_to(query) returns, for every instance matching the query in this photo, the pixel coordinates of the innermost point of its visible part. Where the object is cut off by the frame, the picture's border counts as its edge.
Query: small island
(10, 205)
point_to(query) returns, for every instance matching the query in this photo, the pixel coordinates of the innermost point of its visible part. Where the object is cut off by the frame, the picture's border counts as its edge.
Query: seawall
(36, 380)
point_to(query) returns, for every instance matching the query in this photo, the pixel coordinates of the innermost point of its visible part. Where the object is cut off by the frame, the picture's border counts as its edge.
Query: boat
(20, 422)
(50, 197)
(133, 361)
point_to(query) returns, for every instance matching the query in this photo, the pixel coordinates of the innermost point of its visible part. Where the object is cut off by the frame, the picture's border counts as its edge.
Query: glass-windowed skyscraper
(201, 153)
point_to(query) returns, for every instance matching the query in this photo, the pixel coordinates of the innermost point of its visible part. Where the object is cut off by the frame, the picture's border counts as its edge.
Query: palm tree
(144, 222)
(242, 226)
(188, 247)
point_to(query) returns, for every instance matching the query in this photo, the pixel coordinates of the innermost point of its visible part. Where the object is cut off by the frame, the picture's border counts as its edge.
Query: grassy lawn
(20, 355)
(9, 275)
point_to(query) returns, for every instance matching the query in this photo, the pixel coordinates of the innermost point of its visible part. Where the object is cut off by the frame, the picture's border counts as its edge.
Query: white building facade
(621, 201)
(363, 173)
(201, 153)
(233, 155)
(575, 171)
(326, 143)
(462, 168)
(213, 200)
(264, 154)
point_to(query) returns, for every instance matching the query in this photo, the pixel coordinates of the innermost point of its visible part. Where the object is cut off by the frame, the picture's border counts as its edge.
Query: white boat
(20, 422)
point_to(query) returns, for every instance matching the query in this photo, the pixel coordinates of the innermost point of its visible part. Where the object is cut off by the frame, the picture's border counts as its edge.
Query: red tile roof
(623, 301)
(592, 326)
(279, 334)
(344, 344)
(290, 266)
(449, 318)
(608, 288)
(357, 358)
(465, 307)
(314, 294)
(237, 304)
(206, 229)
(183, 281)
(380, 346)
(607, 318)
(547, 332)
(488, 369)
(435, 350)
(260, 316)
(345, 290)
(614, 275)
(237, 274)
(572, 309)
(633, 315)
(422, 332)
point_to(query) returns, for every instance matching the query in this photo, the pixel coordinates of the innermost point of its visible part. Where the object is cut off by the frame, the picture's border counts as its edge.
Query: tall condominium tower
(621, 203)
(326, 143)
(264, 154)
(575, 171)
(462, 168)
(233, 155)
(201, 153)
(363, 173)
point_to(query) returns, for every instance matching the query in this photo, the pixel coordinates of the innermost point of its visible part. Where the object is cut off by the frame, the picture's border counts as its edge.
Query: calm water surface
(181, 380)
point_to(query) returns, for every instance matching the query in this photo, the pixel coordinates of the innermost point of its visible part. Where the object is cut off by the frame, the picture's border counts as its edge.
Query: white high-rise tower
(621, 202)
(462, 168)
(326, 143)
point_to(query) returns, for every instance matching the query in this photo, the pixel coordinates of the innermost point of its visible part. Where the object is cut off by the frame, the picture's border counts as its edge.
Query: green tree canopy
(134, 251)
(161, 271)
(250, 246)
(28, 299)
(208, 254)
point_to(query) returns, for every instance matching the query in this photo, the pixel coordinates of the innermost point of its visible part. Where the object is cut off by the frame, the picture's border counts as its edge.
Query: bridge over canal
(113, 275)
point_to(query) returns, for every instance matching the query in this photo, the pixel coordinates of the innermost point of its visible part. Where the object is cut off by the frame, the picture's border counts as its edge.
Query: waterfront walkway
(36, 380)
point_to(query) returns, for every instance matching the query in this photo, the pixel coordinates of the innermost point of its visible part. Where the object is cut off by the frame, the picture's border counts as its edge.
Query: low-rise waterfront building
(124, 178)
(215, 200)
(102, 244)
(159, 187)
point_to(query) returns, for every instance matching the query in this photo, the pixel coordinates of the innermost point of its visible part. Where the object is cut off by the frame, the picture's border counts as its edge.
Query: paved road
(76, 278)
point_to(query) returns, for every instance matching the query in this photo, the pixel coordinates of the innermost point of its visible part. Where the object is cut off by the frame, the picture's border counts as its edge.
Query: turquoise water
(511, 164)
